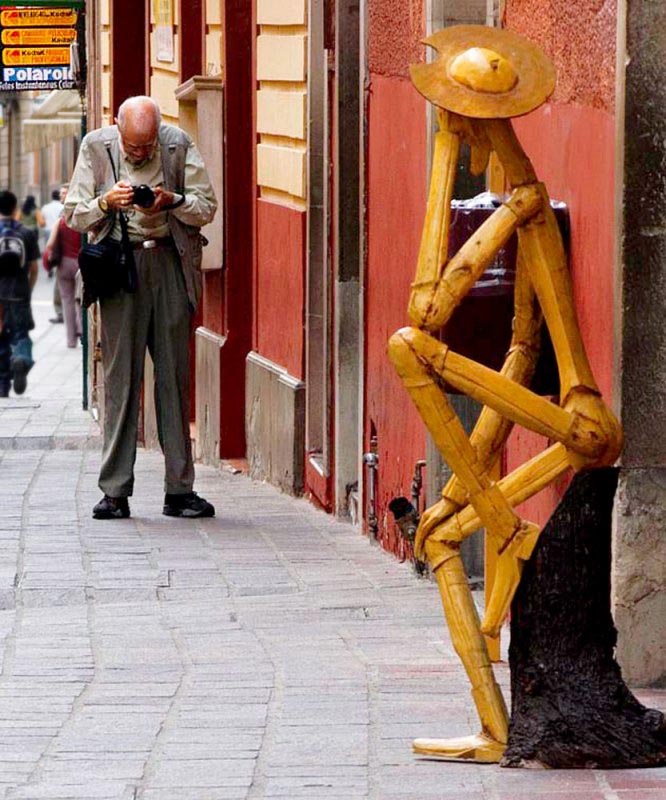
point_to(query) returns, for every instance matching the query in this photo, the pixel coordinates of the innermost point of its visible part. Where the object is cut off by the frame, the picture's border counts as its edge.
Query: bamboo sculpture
(481, 79)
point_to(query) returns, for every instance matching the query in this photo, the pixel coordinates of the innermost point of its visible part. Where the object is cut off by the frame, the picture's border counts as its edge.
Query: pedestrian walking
(30, 216)
(19, 254)
(62, 255)
(164, 194)
(51, 212)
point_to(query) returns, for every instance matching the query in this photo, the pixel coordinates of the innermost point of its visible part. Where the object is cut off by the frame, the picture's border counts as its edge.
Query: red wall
(580, 38)
(572, 148)
(280, 286)
(396, 186)
(395, 29)
(212, 304)
(571, 142)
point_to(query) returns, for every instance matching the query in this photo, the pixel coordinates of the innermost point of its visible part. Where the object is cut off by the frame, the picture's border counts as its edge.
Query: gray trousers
(156, 316)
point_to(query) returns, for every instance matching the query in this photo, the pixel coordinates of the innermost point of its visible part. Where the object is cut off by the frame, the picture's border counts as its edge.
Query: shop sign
(35, 56)
(37, 17)
(17, 37)
(35, 48)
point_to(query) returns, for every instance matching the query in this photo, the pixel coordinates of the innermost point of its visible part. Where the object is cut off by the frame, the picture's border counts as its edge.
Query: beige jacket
(184, 173)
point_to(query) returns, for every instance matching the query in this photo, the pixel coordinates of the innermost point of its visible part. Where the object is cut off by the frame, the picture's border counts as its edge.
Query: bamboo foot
(480, 748)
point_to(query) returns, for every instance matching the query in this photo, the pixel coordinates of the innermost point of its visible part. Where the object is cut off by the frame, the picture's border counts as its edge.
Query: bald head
(140, 112)
(138, 122)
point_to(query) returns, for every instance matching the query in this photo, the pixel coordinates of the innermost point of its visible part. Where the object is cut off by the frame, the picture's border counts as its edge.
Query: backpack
(12, 250)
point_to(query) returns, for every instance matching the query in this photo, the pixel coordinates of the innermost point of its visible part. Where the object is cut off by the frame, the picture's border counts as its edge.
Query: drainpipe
(417, 484)
(371, 461)
(407, 514)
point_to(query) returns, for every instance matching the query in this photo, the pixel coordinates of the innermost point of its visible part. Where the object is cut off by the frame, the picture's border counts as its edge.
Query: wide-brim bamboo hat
(485, 72)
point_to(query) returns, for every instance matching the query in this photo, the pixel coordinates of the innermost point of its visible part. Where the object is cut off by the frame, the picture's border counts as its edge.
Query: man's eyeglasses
(143, 147)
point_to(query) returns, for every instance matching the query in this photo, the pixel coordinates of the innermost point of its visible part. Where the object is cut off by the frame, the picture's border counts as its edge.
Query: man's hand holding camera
(152, 200)
(119, 196)
(143, 198)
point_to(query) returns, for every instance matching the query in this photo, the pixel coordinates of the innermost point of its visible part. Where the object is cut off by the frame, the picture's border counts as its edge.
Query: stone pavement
(270, 652)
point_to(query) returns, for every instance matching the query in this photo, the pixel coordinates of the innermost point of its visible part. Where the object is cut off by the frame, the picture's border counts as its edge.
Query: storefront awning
(58, 117)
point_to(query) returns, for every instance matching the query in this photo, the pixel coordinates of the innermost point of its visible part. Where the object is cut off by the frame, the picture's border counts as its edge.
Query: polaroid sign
(15, 79)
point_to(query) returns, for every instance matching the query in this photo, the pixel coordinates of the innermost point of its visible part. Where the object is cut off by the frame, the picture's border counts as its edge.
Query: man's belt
(150, 244)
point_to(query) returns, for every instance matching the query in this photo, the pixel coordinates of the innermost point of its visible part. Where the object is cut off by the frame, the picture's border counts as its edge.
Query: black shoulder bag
(108, 267)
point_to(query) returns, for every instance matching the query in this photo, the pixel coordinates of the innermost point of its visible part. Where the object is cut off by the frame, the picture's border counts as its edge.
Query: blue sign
(16, 79)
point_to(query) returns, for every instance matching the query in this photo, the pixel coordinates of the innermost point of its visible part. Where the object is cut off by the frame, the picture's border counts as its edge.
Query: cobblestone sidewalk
(270, 652)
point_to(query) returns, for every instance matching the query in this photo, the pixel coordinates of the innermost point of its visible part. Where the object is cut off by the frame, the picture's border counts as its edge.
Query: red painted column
(235, 290)
(191, 37)
(191, 50)
(129, 50)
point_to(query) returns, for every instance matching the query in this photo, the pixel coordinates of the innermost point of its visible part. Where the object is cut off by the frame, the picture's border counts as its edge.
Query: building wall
(165, 75)
(571, 141)
(280, 285)
(639, 548)
(220, 98)
(281, 192)
(16, 167)
(281, 98)
(101, 101)
(396, 196)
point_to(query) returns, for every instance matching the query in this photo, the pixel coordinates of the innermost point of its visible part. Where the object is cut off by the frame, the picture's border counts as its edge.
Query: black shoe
(20, 376)
(187, 505)
(111, 508)
(4, 391)
(56, 320)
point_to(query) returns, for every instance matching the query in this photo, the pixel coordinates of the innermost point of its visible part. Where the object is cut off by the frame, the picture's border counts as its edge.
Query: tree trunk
(570, 706)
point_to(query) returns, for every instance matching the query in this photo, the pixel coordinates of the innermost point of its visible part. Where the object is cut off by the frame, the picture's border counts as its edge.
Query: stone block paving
(270, 652)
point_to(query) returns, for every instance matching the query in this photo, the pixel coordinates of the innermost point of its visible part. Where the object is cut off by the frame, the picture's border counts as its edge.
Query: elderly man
(164, 234)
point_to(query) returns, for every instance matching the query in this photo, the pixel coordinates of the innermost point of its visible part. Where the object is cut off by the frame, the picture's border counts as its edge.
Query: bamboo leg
(489, 574)
(457, 600)
(450, 437)
(524, 482)
(521, 484)
(463, 623)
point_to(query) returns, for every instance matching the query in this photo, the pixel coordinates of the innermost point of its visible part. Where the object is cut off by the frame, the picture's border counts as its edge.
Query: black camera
(144, 196)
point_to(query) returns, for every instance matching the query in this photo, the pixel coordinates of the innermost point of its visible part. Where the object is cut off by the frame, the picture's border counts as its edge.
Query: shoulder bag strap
(127, 256)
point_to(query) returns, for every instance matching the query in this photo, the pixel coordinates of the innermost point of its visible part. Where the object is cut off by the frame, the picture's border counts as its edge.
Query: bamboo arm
(434, 240)
(492, 429)
(473, 258)
(541, 241)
